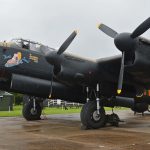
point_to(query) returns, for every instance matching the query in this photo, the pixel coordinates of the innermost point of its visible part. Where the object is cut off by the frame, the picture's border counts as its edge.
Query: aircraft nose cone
(124, 42)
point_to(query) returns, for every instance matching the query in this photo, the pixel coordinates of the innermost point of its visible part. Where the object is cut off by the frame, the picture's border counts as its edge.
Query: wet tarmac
(62, 132)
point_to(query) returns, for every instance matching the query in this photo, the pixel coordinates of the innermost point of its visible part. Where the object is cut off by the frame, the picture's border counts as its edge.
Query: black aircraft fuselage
(27, 71)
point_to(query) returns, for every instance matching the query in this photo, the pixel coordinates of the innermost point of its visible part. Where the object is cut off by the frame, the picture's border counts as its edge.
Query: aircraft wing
(109, 68)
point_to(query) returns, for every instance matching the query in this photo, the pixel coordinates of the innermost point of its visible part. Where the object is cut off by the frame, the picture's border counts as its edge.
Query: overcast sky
(52, 21)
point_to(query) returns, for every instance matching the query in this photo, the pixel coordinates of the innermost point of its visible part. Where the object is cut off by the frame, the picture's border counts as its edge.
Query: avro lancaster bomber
(40, 72)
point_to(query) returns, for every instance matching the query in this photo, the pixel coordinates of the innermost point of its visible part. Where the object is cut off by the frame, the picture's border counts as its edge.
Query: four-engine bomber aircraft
(42, 72)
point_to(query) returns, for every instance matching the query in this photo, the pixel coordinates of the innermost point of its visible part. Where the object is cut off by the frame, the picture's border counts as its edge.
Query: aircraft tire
(89, 117)
(29, 113)
(148, 108)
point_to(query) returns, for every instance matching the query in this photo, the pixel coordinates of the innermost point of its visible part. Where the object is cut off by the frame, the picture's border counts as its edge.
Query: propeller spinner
(125, 42)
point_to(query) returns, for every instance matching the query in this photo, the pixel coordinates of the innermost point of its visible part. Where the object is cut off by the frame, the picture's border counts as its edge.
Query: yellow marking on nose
(19, 55)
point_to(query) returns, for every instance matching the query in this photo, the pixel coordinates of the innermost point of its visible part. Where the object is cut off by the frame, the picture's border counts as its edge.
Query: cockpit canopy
(27, 44)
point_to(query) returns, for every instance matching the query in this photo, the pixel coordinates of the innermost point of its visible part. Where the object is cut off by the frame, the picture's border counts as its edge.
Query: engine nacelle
(140, 107)
(41, 88)
(30, 85)
(63, 74)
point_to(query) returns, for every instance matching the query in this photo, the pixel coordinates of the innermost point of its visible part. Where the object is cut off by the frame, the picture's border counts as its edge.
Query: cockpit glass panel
(30, 45)
(27, 44)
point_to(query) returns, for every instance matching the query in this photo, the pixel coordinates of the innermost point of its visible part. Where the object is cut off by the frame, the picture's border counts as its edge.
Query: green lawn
(18, 111)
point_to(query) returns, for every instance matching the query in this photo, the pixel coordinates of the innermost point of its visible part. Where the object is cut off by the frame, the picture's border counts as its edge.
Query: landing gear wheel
(148, 108)
(29, 113)
(90, 118)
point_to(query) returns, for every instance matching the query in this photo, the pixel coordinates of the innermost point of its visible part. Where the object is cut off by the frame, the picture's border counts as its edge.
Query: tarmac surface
(62, 132)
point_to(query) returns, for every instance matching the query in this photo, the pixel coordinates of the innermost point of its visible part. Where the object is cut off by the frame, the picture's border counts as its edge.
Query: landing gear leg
(32, 110)
(92, 113)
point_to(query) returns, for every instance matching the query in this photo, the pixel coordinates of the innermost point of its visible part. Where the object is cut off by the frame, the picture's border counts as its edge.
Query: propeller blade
(68, 41)
(120, 81)
(144, 26)
(51, 86)
(110, 32)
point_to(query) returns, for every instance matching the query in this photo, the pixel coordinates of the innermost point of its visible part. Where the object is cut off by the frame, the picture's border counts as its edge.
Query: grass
(53, 110)
(17, 111)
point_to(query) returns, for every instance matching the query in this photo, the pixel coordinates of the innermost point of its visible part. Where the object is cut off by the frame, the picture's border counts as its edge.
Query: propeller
(68, 41)
(143, 27)
(110, 32)
(54, 57)
(125, 42)
(120, 80)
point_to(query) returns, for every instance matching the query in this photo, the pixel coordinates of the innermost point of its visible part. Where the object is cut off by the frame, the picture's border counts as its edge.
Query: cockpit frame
(25, 43)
